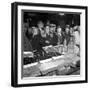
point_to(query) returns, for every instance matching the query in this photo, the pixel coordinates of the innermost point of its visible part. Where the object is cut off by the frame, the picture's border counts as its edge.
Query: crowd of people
(51, 34)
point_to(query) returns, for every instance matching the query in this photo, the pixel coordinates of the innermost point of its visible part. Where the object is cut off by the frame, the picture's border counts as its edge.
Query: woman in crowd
(77, 36)
(40, 26)
(60, 35)
(47, 29)
(71, 35)
(67, 36)
(43, 38)
(27, 36)
(35, 41)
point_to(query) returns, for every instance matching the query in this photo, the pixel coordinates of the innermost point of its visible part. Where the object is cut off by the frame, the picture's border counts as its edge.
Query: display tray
(52, 64)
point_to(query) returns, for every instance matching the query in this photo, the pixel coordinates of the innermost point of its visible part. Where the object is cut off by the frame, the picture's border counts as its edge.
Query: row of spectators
(50, 34)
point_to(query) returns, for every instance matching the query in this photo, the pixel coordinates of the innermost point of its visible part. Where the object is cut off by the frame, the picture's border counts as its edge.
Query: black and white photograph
(50, 43)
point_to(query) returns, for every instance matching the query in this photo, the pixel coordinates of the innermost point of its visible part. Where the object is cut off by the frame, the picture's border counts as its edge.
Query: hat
(52, 25)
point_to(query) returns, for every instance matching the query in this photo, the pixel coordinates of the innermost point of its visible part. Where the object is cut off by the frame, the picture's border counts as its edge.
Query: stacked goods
(49, 49)
(54, 50)
(59, 48)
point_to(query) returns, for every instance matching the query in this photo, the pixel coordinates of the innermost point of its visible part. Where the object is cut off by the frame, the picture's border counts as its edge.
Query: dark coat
(35, 41)
(26, 42)
(53, 40)
(67, 37)
(61, 38)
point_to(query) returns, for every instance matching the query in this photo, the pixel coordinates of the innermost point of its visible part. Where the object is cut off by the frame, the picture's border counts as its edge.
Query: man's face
(51, 29)
(40, 24)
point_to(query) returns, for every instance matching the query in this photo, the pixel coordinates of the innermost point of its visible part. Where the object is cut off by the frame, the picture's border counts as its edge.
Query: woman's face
(47, 29)
(67, 30)
(59, 30)
(71, 30)
(35, 31)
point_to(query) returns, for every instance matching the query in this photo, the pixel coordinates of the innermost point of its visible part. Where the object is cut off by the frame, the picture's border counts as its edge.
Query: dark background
(56, 18)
